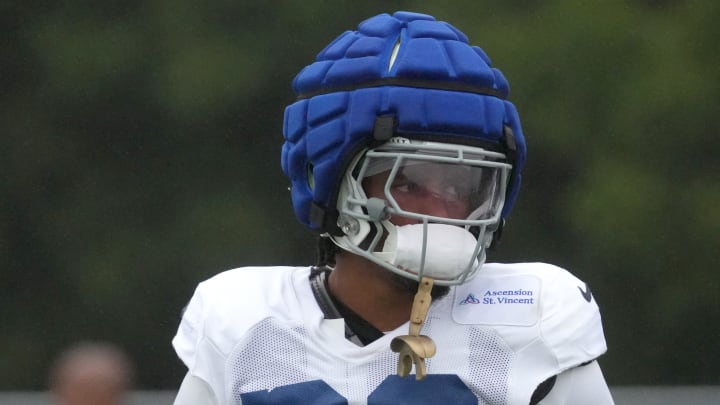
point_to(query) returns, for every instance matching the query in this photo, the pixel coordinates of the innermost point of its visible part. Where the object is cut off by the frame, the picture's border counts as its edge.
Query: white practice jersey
(256, 335)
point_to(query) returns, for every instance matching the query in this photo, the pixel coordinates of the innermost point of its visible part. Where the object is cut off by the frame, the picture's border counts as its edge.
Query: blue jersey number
(434, 389)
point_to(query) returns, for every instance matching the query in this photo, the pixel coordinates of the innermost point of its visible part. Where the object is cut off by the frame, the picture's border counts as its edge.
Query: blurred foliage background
(140, 145)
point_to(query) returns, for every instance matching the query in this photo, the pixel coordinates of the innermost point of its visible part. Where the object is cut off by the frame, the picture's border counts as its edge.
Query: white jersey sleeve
(536, 305)
(222, 309)
(194, 391)
(570, 321)
(192, 347)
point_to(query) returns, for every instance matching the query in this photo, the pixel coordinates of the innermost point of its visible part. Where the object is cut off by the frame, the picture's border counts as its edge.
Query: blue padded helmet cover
(436, 84)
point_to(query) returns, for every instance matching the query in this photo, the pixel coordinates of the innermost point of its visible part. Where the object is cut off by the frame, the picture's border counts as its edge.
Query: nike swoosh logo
(586, 293)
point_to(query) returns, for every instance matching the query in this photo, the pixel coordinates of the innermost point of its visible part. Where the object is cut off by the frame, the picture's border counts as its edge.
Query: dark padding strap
(542, 390)
(318, 277)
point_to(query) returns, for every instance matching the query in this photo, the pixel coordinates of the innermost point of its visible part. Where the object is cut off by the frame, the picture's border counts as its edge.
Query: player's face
(435, 189)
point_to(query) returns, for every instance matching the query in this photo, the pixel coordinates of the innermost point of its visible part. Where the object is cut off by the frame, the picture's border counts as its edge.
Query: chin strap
(415, 348)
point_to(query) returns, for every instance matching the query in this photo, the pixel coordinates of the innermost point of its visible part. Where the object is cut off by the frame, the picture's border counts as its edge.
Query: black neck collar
(357, 329)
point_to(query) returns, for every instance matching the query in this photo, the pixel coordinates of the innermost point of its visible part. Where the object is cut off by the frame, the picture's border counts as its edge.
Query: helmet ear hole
(310, 176)
(495, 232)
(497, 235)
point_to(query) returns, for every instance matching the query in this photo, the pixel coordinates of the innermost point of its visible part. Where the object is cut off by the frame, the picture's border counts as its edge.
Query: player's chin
(410, 287)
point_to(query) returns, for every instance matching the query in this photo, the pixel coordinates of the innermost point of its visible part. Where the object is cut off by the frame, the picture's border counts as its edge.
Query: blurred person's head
(91, 373)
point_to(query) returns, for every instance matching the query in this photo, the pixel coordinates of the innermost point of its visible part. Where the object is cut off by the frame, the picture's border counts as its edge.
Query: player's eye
(406, 187)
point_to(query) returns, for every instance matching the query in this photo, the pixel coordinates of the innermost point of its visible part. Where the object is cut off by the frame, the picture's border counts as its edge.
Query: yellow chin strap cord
(415, 348)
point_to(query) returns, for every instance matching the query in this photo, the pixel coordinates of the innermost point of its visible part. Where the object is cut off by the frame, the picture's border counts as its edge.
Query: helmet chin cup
(439, 251)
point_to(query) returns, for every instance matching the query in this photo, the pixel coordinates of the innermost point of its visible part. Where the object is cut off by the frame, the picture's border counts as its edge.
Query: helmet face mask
(414, 206)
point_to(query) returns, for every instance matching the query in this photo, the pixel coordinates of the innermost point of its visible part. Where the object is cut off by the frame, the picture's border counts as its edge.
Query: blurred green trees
(140, 155)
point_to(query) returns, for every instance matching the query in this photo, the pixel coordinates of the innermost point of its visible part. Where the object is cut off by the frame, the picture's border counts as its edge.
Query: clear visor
(435, 188)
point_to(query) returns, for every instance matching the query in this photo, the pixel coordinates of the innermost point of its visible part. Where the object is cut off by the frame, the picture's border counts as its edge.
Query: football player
(405, 156)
